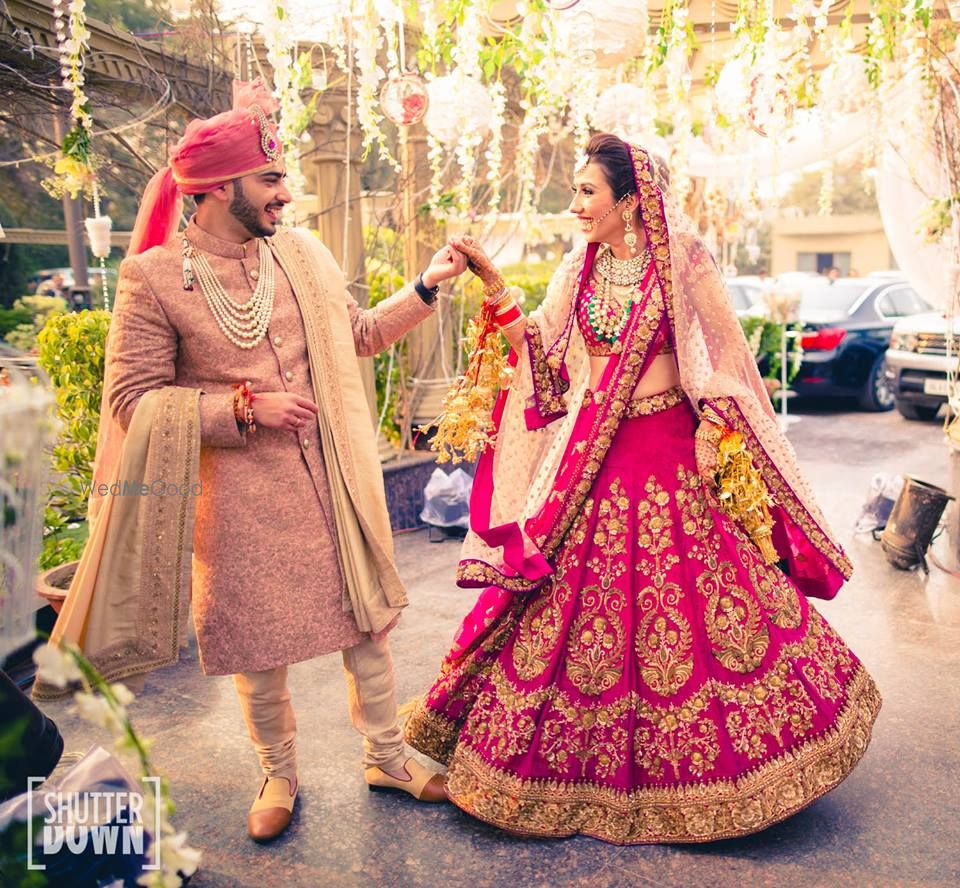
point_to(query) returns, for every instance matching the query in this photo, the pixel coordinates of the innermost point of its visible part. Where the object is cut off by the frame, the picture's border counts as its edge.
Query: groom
(245, 336)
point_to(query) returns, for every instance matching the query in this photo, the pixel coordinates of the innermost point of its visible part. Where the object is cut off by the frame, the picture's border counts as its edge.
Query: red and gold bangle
(243, 406)
(495, 291)
(508, 316)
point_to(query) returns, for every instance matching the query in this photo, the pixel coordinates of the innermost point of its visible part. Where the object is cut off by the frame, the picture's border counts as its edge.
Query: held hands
(479, 263)
(446, 263)
(283, 410)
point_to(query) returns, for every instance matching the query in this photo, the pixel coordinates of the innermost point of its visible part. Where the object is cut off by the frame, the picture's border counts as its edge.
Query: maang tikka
(629, 235)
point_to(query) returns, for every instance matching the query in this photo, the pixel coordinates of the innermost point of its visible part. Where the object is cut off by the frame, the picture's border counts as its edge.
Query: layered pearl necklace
(606, 315)
(244, 324)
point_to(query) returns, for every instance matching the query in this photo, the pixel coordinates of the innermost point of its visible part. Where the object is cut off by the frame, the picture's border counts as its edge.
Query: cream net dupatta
(526, 460)
(717, 368)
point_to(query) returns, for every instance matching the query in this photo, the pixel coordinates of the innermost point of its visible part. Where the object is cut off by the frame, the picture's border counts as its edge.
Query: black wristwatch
(427, 294)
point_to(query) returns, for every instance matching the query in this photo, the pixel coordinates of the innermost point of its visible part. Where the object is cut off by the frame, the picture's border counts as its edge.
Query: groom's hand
(446, 263)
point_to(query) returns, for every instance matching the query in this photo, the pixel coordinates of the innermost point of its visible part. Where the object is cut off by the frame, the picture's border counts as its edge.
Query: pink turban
(235, 143)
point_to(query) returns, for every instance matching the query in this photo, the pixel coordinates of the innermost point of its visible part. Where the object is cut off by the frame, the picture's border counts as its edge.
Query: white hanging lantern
(626, 110)
(459, 105)
(404, 99)
(98, 231)
(603, 33)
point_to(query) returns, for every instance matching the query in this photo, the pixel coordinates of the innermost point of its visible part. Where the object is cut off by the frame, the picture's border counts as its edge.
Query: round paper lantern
(603, 33)
(770, 107)
(626, 110)
(458, 105)
(404, 99)
(98, 230)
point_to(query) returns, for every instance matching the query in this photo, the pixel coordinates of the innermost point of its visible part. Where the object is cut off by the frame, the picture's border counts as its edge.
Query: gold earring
(629, 235)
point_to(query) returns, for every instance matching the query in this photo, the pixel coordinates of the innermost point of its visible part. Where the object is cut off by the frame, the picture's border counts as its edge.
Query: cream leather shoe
(423, 785)
(272, 809)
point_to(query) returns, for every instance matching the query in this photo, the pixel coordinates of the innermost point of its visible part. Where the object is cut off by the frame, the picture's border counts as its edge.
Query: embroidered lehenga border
(708, 811)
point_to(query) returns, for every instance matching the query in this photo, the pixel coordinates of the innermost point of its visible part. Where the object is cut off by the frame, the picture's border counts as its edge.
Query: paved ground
(892, 823)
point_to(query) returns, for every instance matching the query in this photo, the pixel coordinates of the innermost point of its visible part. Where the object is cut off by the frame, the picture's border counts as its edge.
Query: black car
(846, 330)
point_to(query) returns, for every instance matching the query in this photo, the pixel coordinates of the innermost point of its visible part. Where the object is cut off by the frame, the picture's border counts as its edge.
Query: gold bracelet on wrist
(495, 288)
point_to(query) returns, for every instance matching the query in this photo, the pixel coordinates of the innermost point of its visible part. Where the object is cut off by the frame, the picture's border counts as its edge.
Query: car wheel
(877, 394)
(912, 411)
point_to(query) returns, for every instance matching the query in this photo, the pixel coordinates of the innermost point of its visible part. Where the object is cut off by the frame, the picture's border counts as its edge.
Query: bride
(640, 666)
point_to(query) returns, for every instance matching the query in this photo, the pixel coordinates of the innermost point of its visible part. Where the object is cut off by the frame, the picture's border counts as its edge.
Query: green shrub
(35, 311)
(11, 318)
(765, 339)
(72, 353)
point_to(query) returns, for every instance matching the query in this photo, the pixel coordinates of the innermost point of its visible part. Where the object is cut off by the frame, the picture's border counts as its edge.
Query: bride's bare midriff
(661, 374)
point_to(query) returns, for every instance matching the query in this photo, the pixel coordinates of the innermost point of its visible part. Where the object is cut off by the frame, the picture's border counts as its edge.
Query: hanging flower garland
(74, 169)
(494, 153)
(466, 57)
(291, 75)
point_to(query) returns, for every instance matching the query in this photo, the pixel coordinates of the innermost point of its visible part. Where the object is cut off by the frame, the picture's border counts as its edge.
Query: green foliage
(384, 277)
(765, 339)
(72, 350)
(532, 279)
(39, 309)
(11, 318)
(850, 193)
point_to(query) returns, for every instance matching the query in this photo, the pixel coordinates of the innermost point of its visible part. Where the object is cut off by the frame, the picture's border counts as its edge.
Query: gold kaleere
(464, 429)
(744, 495)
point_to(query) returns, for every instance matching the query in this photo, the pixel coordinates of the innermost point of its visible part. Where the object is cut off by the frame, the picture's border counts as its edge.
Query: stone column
(336, 180)
(72, 219)
(430, 345)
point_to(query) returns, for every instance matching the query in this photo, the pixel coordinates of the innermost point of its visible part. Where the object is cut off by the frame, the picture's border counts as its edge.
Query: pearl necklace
(621, 272)
(606, 315)
(244, 324)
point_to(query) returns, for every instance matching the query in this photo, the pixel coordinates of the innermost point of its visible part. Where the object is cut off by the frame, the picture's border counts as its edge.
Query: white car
(917, 363)
(746, 293)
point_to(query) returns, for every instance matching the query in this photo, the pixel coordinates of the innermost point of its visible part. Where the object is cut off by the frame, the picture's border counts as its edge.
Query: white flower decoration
(55, 666)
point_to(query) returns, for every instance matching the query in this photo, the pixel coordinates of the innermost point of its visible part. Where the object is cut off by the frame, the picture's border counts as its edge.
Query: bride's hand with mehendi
(478, 262)
(707, 450)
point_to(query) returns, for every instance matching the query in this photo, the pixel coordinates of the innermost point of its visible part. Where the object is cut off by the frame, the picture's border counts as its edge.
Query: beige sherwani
(267, 587)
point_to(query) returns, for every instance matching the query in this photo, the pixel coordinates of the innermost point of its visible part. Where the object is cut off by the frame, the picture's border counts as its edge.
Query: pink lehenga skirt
(664, 685)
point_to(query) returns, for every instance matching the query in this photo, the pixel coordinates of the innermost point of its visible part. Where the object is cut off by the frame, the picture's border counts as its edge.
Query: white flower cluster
(289, 73)
(105, 705)
(73, 40)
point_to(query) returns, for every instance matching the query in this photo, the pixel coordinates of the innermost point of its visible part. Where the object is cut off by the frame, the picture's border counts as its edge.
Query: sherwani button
(288, 375)
(306, 443)
(254, 274)
(278, 340)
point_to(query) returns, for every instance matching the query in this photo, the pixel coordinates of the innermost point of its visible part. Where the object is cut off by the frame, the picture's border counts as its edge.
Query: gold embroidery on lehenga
(664, 639)
(695, 503)
(688, 813)
(777, 594)
(674, 735)
(504, 719)
(739, 638)
(542, 621)
(595, 649)
(597, 641)
(539, 631)
(767, 708)
(587, 734)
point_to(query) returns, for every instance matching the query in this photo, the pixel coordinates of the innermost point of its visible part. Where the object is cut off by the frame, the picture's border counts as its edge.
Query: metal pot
(912, 523)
